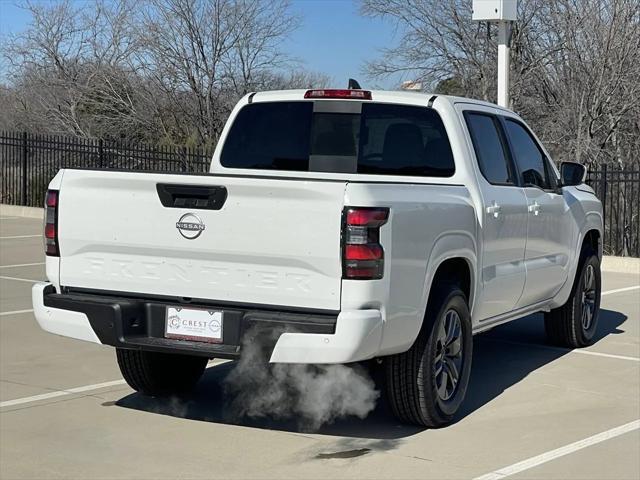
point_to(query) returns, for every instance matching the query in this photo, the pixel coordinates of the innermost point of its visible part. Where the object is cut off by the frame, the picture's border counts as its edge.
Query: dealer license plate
(194, 324)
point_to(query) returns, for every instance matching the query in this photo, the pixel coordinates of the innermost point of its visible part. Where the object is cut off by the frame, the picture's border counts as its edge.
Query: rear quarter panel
(427, 225)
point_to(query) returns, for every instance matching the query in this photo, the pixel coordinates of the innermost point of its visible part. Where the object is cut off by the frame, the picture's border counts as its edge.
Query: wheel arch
(453, 259)
(455, 270)
(590, 234)
(593, 239)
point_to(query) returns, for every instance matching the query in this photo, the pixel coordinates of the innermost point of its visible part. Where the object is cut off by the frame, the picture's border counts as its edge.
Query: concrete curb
(621, 264)
(20, 211)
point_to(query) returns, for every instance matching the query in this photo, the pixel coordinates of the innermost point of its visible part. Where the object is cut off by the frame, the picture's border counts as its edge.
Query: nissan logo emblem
(190, 226)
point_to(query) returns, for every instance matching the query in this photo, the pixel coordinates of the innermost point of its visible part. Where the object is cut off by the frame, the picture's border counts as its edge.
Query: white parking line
(86, 388)
(564, 350)
(28, 280)
(577, 351)
(560, 452)
(606, 355)
(620, 290)
(15, 312)
(22, 265)
(60, 393)
(20, 236)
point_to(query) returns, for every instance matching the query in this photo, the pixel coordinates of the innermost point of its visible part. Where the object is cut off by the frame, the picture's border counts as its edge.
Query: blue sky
(334, 38)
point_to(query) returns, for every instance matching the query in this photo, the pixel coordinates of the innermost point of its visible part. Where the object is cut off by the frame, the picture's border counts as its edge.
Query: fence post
(603, 189)
(184, 158)
(100, 154)
(24, 169)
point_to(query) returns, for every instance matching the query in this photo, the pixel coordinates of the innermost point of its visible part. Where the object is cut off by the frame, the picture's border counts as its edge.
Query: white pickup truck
(356, 224)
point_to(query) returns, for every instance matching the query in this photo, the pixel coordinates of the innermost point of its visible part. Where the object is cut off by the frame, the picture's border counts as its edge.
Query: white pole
(503, 64)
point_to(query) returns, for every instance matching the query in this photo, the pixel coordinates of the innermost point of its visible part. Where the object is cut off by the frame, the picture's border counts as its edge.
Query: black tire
(567, 326)
(158, 374)
(411, 378)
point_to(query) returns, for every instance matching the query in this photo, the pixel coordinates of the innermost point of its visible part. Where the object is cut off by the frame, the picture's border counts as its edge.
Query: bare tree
(168, 70)
(202, 55)
(70, 72)
(589, 86)
(439, 43)
(575, 66)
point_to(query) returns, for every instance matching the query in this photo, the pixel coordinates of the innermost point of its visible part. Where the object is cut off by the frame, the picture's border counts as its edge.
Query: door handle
(494, 209)
(199, 197)
(534, 208)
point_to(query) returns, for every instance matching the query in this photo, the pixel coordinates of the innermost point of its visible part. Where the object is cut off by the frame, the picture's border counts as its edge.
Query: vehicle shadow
(502, 358)
(508, 353)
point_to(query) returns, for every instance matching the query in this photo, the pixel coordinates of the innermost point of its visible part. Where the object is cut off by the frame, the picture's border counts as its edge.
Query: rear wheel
(574, 324)
(156, 374)
(427, 384)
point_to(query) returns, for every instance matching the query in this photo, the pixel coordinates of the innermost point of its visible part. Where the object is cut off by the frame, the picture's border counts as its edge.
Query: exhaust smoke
(311, 395)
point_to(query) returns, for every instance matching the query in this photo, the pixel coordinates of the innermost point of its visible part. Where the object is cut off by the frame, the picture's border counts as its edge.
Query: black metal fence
(618, 188)
(29, 161)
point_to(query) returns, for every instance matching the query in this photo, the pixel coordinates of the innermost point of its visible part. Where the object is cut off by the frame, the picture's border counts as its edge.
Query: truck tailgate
(273, 242)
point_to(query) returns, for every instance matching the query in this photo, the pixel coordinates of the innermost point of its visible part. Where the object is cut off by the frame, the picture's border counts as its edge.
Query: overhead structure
(502, 12)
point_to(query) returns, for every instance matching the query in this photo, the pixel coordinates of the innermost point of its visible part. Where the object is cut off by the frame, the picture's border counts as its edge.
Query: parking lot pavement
(532, 411)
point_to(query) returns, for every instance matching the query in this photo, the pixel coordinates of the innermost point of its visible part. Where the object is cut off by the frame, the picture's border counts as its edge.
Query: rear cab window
(340, 137)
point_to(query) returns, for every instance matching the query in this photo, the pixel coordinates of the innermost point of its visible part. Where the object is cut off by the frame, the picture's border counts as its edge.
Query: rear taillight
(51, 224)
(333, 93)
(362, 254)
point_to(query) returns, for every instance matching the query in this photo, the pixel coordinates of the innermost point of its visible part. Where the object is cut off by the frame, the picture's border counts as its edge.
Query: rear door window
(489, 148)
(383, 139)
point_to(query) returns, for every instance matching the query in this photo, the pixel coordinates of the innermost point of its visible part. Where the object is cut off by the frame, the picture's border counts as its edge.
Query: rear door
(225, 238)
(504, 217)
(549, 231)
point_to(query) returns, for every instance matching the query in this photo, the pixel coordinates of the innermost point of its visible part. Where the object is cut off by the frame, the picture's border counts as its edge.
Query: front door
(503, 222)
(549, 226)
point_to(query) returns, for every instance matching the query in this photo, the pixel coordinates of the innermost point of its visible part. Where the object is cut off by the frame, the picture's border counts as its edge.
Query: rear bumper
(138, 323)
(68, 323)
(357, 337)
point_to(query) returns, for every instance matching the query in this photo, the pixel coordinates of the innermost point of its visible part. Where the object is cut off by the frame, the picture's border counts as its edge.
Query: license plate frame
(194, 324)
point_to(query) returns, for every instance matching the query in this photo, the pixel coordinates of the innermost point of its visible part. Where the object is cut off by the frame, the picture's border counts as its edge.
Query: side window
(529, 158)
(492, 158)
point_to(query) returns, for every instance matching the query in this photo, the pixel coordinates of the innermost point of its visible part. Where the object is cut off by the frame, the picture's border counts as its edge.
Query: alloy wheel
(588, 297)
(449, 355)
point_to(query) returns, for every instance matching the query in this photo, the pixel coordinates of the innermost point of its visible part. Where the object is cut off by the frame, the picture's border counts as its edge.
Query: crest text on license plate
(194, 324)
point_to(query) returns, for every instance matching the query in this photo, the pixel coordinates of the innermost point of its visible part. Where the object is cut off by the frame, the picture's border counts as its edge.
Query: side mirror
(572, 173)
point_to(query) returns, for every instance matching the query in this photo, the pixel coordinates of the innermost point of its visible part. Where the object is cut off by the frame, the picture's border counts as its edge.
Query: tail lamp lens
(363, 256)
(52, 198)
(367, 217)
(51, 224)
(363, 252)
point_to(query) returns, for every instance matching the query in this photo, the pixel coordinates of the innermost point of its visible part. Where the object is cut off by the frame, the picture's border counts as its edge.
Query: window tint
(270, 136)
(404, 140)
(530, 160)
(382, 139)
(489, 149)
